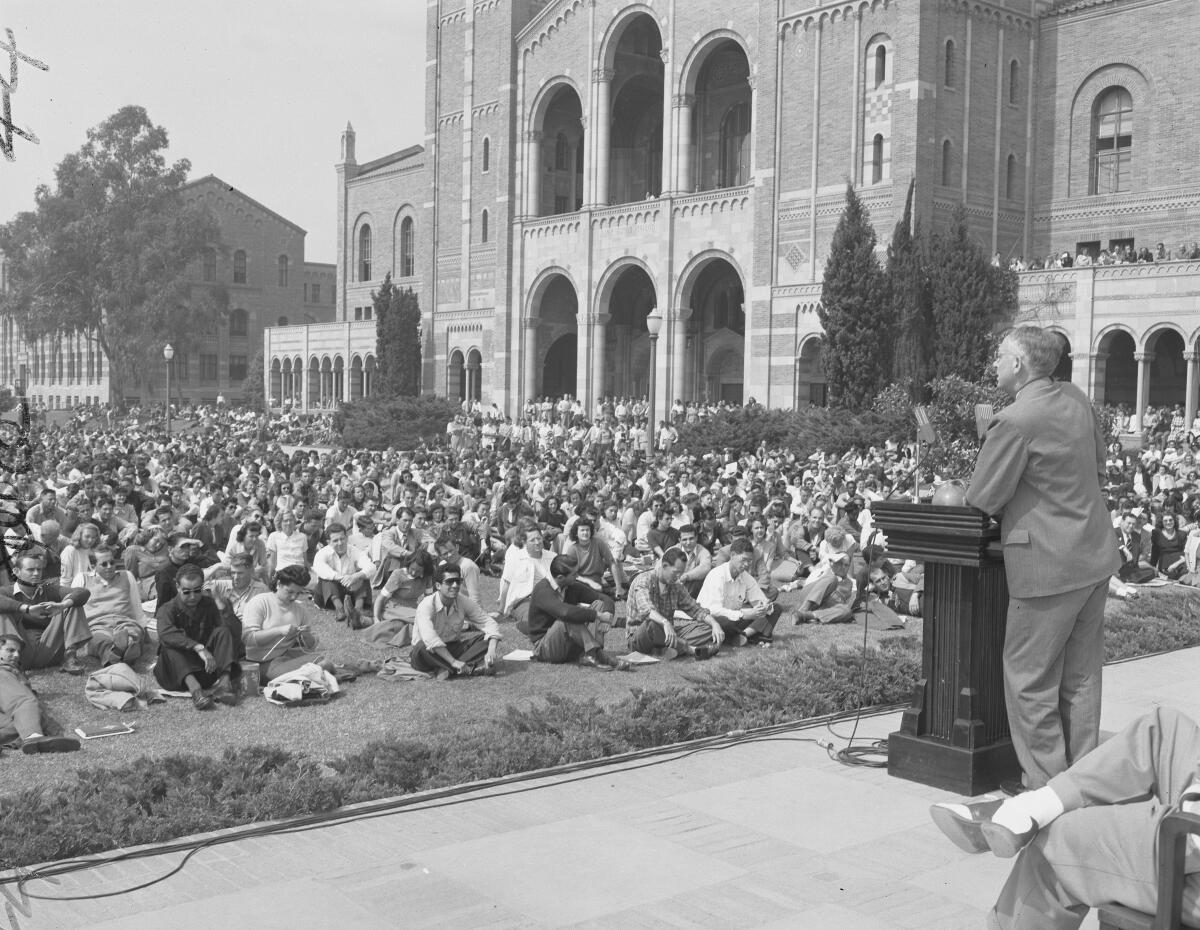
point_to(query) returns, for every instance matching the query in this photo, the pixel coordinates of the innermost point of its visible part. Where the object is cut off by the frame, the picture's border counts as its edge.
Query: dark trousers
(330, 594)
(66, 632)
(762, 628)
(174, 665)
(647, 637)
(470, 647)
(567, 642)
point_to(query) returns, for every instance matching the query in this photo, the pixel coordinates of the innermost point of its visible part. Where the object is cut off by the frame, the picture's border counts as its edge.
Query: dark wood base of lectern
(955, 733)
(968, 772)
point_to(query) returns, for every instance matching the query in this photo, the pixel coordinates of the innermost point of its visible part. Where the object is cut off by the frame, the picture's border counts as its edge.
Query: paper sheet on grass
(518, 655)
(639, 658)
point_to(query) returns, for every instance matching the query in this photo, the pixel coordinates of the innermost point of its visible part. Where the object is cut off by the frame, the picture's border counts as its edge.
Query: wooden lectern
(954, 734)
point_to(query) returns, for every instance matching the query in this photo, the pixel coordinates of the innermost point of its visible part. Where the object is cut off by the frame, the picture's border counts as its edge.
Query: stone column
(1144, 361)
(599, 335)
(603, 78)
(679, 355)
(533, 174)
(1097, 368)
(684, 153)
(529, 381)
(1189, 400)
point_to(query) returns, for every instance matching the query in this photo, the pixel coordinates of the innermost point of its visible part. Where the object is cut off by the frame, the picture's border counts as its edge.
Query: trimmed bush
(804, 431)
(396, 422)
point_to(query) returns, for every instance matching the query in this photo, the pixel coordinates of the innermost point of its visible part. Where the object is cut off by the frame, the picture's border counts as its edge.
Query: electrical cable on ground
(448, 797)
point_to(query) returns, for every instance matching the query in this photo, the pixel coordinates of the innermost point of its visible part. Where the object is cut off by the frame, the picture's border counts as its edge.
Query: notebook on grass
(100, 730)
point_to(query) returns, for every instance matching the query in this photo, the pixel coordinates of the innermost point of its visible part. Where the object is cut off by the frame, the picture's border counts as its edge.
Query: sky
(256, 92)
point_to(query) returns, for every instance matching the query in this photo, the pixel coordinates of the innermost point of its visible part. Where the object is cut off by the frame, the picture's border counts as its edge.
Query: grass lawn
(369, 708)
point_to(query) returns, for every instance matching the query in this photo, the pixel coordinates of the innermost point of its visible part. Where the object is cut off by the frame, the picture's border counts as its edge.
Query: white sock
(1019, 814)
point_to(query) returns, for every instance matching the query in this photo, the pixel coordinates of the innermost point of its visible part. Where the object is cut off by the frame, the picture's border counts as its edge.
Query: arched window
(407, 266)
(483, 226)
(210, 264)
(880, 65)
(560, 152)
(1010, 178)
(487, 154)
(364, 253)
(1014, 74)
(283, 271)
(735, 147)
(1112, 150)
(947, 169)
(239, 267)
(950, 64)
(877, 158)
(238, 320)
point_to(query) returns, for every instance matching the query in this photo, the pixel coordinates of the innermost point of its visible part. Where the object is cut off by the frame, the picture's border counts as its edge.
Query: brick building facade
(586, 164)
(262, 265)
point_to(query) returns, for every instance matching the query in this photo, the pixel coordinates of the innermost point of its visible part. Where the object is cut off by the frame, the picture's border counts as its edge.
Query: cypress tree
(972, 302)
(397, 340)
(908, 284)
(855, 312)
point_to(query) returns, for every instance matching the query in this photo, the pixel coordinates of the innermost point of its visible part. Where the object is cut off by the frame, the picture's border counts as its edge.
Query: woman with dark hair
(248, 539)
(275, 627)
(405, 587)
(1167, 542)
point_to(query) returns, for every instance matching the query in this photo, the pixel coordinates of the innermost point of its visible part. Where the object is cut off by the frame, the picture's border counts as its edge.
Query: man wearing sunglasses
(196, 650)
(453, 635)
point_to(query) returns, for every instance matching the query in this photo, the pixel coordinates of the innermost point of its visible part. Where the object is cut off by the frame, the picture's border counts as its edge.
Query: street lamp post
(653, 326)
(168, 354)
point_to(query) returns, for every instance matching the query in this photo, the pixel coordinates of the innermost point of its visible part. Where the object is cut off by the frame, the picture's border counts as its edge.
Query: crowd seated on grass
(124, 527)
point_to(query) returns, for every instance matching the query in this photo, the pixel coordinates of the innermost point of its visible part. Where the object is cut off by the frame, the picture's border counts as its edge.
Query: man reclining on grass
(23, 719)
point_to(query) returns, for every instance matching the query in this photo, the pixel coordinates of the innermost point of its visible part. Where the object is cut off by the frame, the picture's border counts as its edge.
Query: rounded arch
(720, 127)
(456, 376)
(688, 276)
(545, 97)
(1104, 338)
(1154, 334)
(616, 31)
(1116, 369)
(610, 275)
(810, 386)
(700, 52)
(544, 279)
(1138, 173)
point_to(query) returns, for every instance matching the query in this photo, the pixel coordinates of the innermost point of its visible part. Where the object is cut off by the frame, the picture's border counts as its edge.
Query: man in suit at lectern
(1039, 473)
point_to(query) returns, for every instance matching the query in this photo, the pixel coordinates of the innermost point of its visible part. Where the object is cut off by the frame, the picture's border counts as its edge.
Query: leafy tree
(859, 324)
(254, 390)
(908, 284)
(395, 422)
(107, 251)
(972, 302)
(397, 340)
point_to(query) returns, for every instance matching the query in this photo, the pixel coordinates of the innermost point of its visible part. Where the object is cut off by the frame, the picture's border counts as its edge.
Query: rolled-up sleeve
(425, 625)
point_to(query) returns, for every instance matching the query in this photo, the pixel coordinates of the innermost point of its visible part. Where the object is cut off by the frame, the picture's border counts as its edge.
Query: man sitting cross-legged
(734, 598)
(654, 598)
(345, 577)
(113, 609)
(1089, 836)
(23, 719)
(563, 630)
(196, 649)
(453, 636)
(829, 597)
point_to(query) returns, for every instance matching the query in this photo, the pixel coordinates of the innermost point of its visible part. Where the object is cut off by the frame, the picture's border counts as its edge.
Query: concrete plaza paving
(770, 834)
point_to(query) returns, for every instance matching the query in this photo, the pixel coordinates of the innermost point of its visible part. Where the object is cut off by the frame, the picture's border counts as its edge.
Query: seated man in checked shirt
(654, 599)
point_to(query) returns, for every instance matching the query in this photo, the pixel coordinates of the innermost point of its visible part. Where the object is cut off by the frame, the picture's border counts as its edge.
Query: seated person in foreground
(564, 632)
(1089, 837)
(275, 627)
(404, 589)
(196, 649)
(737, 602)
(345, 577)
(653, 628)
(48, 620)
(113, 609)
(830, 597)
(593, 558)
(23, 719)
(453, 635)
(232, 594)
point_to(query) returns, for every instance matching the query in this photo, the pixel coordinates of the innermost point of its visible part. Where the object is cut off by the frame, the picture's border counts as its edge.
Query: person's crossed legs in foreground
(1089, 836)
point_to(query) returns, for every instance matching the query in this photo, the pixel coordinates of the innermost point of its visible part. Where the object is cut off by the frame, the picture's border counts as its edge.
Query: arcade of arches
(700, 350)
(326, 382)
(620, 157)
(1161, 373)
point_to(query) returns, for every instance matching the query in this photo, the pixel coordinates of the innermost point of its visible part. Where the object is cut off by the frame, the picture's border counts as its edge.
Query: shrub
(397, 422)
(803, 431)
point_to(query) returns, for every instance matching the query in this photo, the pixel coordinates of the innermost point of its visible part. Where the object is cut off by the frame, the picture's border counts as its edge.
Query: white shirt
(289, 550)
(723, 596)
(522, 572)
(330, 566)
